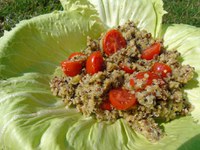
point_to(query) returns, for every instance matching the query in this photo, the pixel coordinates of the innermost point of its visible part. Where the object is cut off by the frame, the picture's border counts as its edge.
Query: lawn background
(13, 11)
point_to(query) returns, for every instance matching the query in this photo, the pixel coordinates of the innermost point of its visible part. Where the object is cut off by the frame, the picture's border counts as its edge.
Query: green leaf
(185, 39)
(40, 44)
(147, 13)
(32, 118)
(38, 120)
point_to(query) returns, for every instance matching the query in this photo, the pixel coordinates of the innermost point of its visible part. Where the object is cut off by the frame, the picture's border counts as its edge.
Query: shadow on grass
(191, 144)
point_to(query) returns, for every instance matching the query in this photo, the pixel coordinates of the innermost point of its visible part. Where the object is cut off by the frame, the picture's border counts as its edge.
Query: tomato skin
(113, 41)
(75, 54)
(148, 81)
(161, 69)
(106, 105)
(151, 51)
(94, 63)
(126, 68)
(121, 99)
(132, 82)
(71, 68)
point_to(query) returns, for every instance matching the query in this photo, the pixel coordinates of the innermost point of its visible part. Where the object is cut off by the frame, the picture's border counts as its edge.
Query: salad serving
(162, 111)
(128, 74)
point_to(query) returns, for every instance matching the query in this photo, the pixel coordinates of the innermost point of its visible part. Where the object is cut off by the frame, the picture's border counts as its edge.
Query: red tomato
(71, 68)
(113, 41)
(94, 63)
(132, 82)
(161, 69)
(122, 99)
(148, 81)
(106, 105)
(151, 51)
(126, 68)
(76, 54)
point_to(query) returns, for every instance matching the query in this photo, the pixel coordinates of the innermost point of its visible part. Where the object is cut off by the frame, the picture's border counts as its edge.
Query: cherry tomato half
(151, 51)
(151, 76)
(75, 54)
(71, 68)
(161, 69)
(122, 99)
(147, 81)
(132, 82)
(106, 105)
(126, 68)
(94, 63)
(113, 41)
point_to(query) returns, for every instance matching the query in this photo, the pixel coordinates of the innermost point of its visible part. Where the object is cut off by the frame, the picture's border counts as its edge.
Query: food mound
(128, 74)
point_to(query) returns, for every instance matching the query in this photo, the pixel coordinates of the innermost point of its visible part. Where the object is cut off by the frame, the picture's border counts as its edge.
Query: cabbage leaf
(146, 13)
(185, 39)
(39, 44)
(32, 118)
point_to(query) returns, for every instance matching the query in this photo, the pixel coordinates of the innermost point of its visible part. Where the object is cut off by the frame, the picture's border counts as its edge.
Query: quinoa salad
(128, 74)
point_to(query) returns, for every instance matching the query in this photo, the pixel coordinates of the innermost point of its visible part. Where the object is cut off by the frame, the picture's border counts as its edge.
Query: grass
(182, 11)
(13, 11)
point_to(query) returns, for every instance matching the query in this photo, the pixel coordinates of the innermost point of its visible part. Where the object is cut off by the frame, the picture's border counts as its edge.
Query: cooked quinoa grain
(162, 98)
